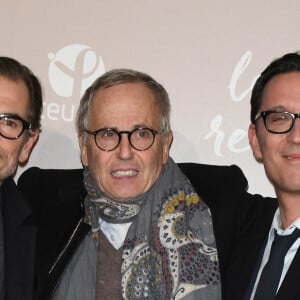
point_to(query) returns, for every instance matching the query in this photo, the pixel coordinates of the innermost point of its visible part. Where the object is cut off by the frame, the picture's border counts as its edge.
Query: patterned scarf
(170, 250)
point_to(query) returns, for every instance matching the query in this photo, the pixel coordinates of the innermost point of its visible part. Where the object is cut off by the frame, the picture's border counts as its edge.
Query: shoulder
(41, 180)
(54, 179)
(225, 182)
(52, 189)
(211, 176)
(59, 176)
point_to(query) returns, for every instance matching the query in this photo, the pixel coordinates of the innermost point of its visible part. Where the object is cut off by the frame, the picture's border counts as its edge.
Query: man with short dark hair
(20, 111)
(267, 258)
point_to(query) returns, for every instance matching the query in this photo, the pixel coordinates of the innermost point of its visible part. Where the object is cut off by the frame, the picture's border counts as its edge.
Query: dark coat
(56, 197)
(248, 253)
(19, 243)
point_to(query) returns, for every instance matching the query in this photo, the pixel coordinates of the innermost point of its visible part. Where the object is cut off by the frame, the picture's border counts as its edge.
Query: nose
(125, 150)
(294, 133)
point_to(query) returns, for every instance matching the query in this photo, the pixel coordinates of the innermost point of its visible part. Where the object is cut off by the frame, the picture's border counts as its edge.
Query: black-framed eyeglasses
(108, 139)
(278, 121)
(12, 126)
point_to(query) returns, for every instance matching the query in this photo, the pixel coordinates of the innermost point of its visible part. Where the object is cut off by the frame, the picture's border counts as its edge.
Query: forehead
(282, 90)
(14, 96)
(126, 104)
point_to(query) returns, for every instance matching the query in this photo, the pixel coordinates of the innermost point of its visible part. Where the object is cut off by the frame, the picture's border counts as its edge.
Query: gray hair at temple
(119, 76)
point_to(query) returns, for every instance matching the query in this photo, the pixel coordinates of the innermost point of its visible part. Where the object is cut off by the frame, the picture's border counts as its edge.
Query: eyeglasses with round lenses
(278, 121)
(12, 126)
(108, 139)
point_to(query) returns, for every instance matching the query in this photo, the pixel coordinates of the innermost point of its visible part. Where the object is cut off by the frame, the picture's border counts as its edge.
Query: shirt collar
(115, 233)
(277, 224)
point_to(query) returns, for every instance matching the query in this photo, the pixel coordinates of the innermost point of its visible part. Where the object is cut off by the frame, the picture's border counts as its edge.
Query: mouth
(122, 173)
(293, 157)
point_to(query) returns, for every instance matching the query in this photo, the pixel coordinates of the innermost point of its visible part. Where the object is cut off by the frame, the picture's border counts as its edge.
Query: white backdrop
(205, 53)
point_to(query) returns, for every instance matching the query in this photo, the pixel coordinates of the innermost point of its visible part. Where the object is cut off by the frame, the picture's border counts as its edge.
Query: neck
(289, 206)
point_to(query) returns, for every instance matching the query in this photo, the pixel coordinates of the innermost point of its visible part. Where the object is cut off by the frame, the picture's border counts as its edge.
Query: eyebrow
(132, 128)
(278, 108)
(10, 114)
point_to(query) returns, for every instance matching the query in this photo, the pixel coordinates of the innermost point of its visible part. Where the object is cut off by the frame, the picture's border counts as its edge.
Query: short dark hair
(119, 76)
(14, 70)
(288, 63)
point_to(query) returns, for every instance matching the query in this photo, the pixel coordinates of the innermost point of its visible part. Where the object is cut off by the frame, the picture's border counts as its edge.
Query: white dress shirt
(115, 233)
(276, 225)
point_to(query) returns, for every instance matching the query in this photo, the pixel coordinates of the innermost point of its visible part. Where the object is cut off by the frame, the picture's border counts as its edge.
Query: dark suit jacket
(248, 253)
(19, 243)
(56, 197)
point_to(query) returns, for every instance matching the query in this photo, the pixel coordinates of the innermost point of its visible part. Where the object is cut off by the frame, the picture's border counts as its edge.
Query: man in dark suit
(133, 224)
(60, 214)
(274, 136)
(20, 111)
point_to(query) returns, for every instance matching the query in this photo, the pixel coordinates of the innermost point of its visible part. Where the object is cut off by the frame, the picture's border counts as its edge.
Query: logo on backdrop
(238, 135)
(72, 69)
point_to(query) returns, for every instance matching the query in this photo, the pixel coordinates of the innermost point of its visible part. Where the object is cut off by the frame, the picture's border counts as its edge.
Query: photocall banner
(207, 54)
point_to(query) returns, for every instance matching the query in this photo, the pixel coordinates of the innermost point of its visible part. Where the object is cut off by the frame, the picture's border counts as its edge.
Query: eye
(279, 117)
(9, 122)
(143, 133)
(106, 134)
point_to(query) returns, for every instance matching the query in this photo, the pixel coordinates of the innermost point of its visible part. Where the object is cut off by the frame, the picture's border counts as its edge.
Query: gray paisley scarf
(170, 250)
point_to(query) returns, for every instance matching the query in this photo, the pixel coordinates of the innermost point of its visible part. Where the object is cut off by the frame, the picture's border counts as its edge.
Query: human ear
(83, 150)
(28, 146)
(168, 139)
(254, 142)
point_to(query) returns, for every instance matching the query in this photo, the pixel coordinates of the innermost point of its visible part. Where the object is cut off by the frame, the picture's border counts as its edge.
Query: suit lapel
(246, 261)
(290, 288)
(256, 259)
(248, 252)
(19, 243)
